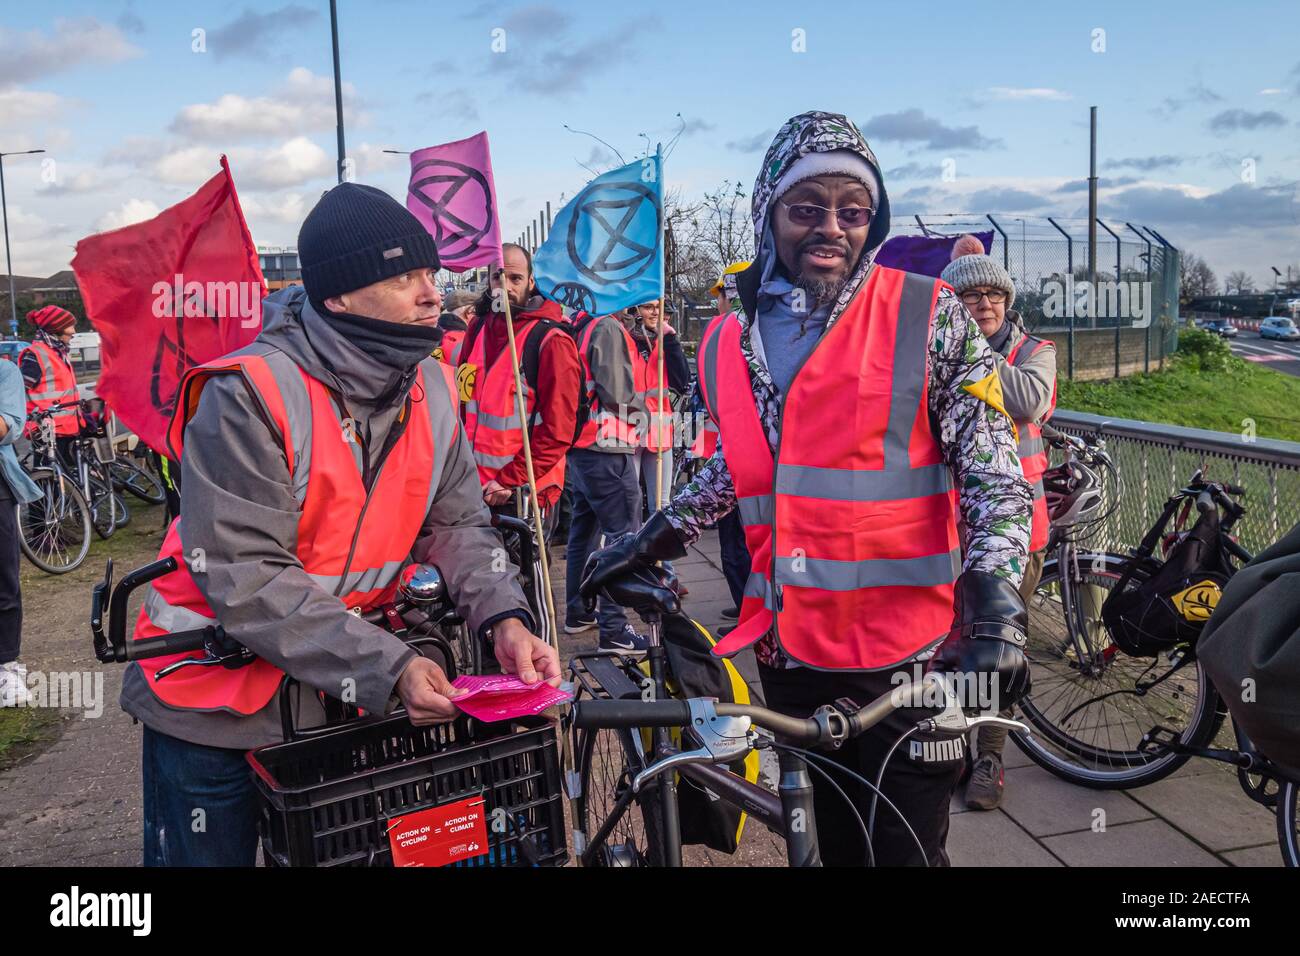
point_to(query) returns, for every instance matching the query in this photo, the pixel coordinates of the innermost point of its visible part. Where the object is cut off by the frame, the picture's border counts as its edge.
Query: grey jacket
(239, 505)
(1026, 389)
(612, 379)
(13, 407)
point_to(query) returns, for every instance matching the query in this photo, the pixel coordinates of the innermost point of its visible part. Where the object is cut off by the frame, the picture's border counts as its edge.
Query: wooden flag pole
(660, 496)
(543, 558)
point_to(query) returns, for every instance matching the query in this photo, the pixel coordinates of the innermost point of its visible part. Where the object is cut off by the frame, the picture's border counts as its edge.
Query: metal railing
(1154, 460)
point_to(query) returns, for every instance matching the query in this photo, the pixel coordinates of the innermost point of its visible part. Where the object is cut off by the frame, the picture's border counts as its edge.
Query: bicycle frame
(792, 801)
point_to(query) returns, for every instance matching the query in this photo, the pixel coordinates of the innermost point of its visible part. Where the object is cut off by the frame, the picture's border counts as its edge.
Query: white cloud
(129, 213)
(304, 103)
(1027, 93)
(189, 166)
(293, 163)
(19, 106)
(371, 160)
(1271, 91)
(68, 181)
(73, 43)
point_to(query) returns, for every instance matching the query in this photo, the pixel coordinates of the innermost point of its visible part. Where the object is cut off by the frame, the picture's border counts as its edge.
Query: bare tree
(1238, 282)
(1195, 278)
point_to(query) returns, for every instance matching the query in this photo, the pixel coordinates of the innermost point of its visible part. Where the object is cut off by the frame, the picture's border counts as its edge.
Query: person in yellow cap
(724, 290)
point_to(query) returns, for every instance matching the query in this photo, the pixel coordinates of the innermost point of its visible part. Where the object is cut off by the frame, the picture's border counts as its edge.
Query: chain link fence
(1155, 460)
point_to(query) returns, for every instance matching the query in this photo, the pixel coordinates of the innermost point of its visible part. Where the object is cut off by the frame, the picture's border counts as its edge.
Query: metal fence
(1047, 257)
(1154, 460)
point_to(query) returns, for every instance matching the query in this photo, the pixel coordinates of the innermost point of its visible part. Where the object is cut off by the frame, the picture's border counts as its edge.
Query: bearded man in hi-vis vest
(861, 422)
(316, 463)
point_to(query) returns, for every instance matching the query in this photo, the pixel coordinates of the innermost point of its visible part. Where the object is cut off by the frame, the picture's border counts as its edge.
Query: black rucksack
(531, 360)
(1172, 606)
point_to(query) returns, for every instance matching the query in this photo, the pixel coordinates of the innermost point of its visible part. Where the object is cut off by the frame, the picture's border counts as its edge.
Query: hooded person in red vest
(1027, 371)
(858, 408)
(316, 463)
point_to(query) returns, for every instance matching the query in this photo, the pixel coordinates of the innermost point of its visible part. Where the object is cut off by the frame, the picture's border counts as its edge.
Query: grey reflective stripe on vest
(443, 424)
(1030, 446)
(847, 484)
(1038, 490)
(758, 586)
(360, 579)
(829, 575)
(171, 617)
(50, 393)
(755, 509)
(297, 407)
(492, 461)
(499, 423)
(911, 334)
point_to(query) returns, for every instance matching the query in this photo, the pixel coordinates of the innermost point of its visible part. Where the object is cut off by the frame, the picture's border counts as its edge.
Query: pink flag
(451, 192)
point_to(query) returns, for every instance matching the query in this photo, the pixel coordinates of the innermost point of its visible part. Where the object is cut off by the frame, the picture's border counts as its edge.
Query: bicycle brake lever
(722, 739)
(233, 659)
(993, 720)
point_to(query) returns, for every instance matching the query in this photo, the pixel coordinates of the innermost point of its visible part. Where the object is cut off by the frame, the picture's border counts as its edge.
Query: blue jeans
(606, 500)
(200, 805)
(735, 554)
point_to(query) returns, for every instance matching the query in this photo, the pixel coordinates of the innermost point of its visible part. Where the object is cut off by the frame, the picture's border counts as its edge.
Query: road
(1283, 356)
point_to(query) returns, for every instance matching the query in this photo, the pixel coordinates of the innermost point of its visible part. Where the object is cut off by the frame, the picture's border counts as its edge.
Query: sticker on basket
(440, 835)
(504, 705)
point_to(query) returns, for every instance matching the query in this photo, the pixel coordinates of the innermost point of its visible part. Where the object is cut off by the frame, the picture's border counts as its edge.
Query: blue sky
(995, 94)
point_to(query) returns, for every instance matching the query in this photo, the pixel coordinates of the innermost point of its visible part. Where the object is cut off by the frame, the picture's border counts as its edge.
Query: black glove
(985, 647)
(628, 554)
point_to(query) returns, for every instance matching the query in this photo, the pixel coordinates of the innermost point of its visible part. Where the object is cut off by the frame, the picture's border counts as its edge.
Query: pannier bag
(1251, 650)
(1172, 606)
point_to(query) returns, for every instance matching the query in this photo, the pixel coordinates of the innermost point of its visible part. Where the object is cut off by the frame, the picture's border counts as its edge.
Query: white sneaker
(13, 685)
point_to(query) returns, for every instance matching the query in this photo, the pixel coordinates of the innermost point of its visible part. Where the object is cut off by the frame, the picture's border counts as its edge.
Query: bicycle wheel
(128, 476)
(608, 759)
(54, 530)
(103, 506)
(122, 511)
(1288, 823)
(1090, 704)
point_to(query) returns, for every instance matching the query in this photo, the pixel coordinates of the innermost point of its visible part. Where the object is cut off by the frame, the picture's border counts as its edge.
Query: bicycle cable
(862, 827)
(875, 793)
(880, 779)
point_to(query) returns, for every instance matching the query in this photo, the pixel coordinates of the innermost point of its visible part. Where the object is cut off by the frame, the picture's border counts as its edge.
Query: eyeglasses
(972, 297)
(810, 214)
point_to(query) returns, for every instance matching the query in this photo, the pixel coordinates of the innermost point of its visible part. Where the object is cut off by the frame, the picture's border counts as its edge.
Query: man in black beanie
(317, 463)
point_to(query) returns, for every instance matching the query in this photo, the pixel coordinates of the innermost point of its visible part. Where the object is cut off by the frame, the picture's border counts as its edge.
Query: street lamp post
(9, 264)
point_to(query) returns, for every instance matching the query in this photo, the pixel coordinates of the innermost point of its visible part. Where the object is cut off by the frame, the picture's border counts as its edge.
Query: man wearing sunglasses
(1027, 371)
(858, 407)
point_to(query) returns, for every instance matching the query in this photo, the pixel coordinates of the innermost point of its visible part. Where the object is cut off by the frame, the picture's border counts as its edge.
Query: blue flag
(603, 252)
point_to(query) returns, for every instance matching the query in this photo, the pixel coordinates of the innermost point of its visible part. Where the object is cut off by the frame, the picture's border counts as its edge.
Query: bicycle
(332, 793)
(54, 529)
(88, 456)
(1105, 718)
(626, 810)
(138, 477)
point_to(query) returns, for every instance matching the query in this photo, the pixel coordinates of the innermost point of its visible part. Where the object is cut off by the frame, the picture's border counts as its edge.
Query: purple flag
(451, 192)
(925, 255)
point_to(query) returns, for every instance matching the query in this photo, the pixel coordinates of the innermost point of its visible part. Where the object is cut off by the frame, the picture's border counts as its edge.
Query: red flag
(168, 294)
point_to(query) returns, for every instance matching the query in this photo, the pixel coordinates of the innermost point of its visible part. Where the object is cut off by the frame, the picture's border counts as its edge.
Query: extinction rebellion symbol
(454, 236)
(604, 215)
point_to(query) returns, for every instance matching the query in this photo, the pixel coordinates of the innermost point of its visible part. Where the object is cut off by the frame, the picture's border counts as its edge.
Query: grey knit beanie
(966, 272)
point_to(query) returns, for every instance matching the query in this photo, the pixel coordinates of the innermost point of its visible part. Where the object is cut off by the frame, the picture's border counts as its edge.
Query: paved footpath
(78, 803)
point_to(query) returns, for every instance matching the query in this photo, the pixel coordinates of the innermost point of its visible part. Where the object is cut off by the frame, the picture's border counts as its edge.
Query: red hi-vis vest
(448, 350)
(350, 543)
(1031, 448)
(659, 422)
(706, 440)
(490, 413)
(605, 426)
(58, 384)
(852, 528)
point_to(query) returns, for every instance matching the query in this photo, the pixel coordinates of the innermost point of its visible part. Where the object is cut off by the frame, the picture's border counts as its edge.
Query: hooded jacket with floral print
(976, 436)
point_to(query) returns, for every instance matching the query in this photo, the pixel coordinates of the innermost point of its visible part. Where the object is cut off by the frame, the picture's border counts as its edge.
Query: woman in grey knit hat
(1027, 371)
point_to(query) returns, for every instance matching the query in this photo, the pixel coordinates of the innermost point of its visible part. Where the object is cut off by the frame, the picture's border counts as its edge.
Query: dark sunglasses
(810, 214)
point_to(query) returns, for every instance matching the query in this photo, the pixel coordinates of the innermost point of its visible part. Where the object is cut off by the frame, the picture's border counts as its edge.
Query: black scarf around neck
(399, 346)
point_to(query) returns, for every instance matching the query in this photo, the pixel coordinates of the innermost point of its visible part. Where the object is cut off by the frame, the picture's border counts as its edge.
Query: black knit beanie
(356, 236)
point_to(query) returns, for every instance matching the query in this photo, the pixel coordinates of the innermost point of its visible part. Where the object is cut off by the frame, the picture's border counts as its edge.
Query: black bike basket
(1170, 607)
(328, 800)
